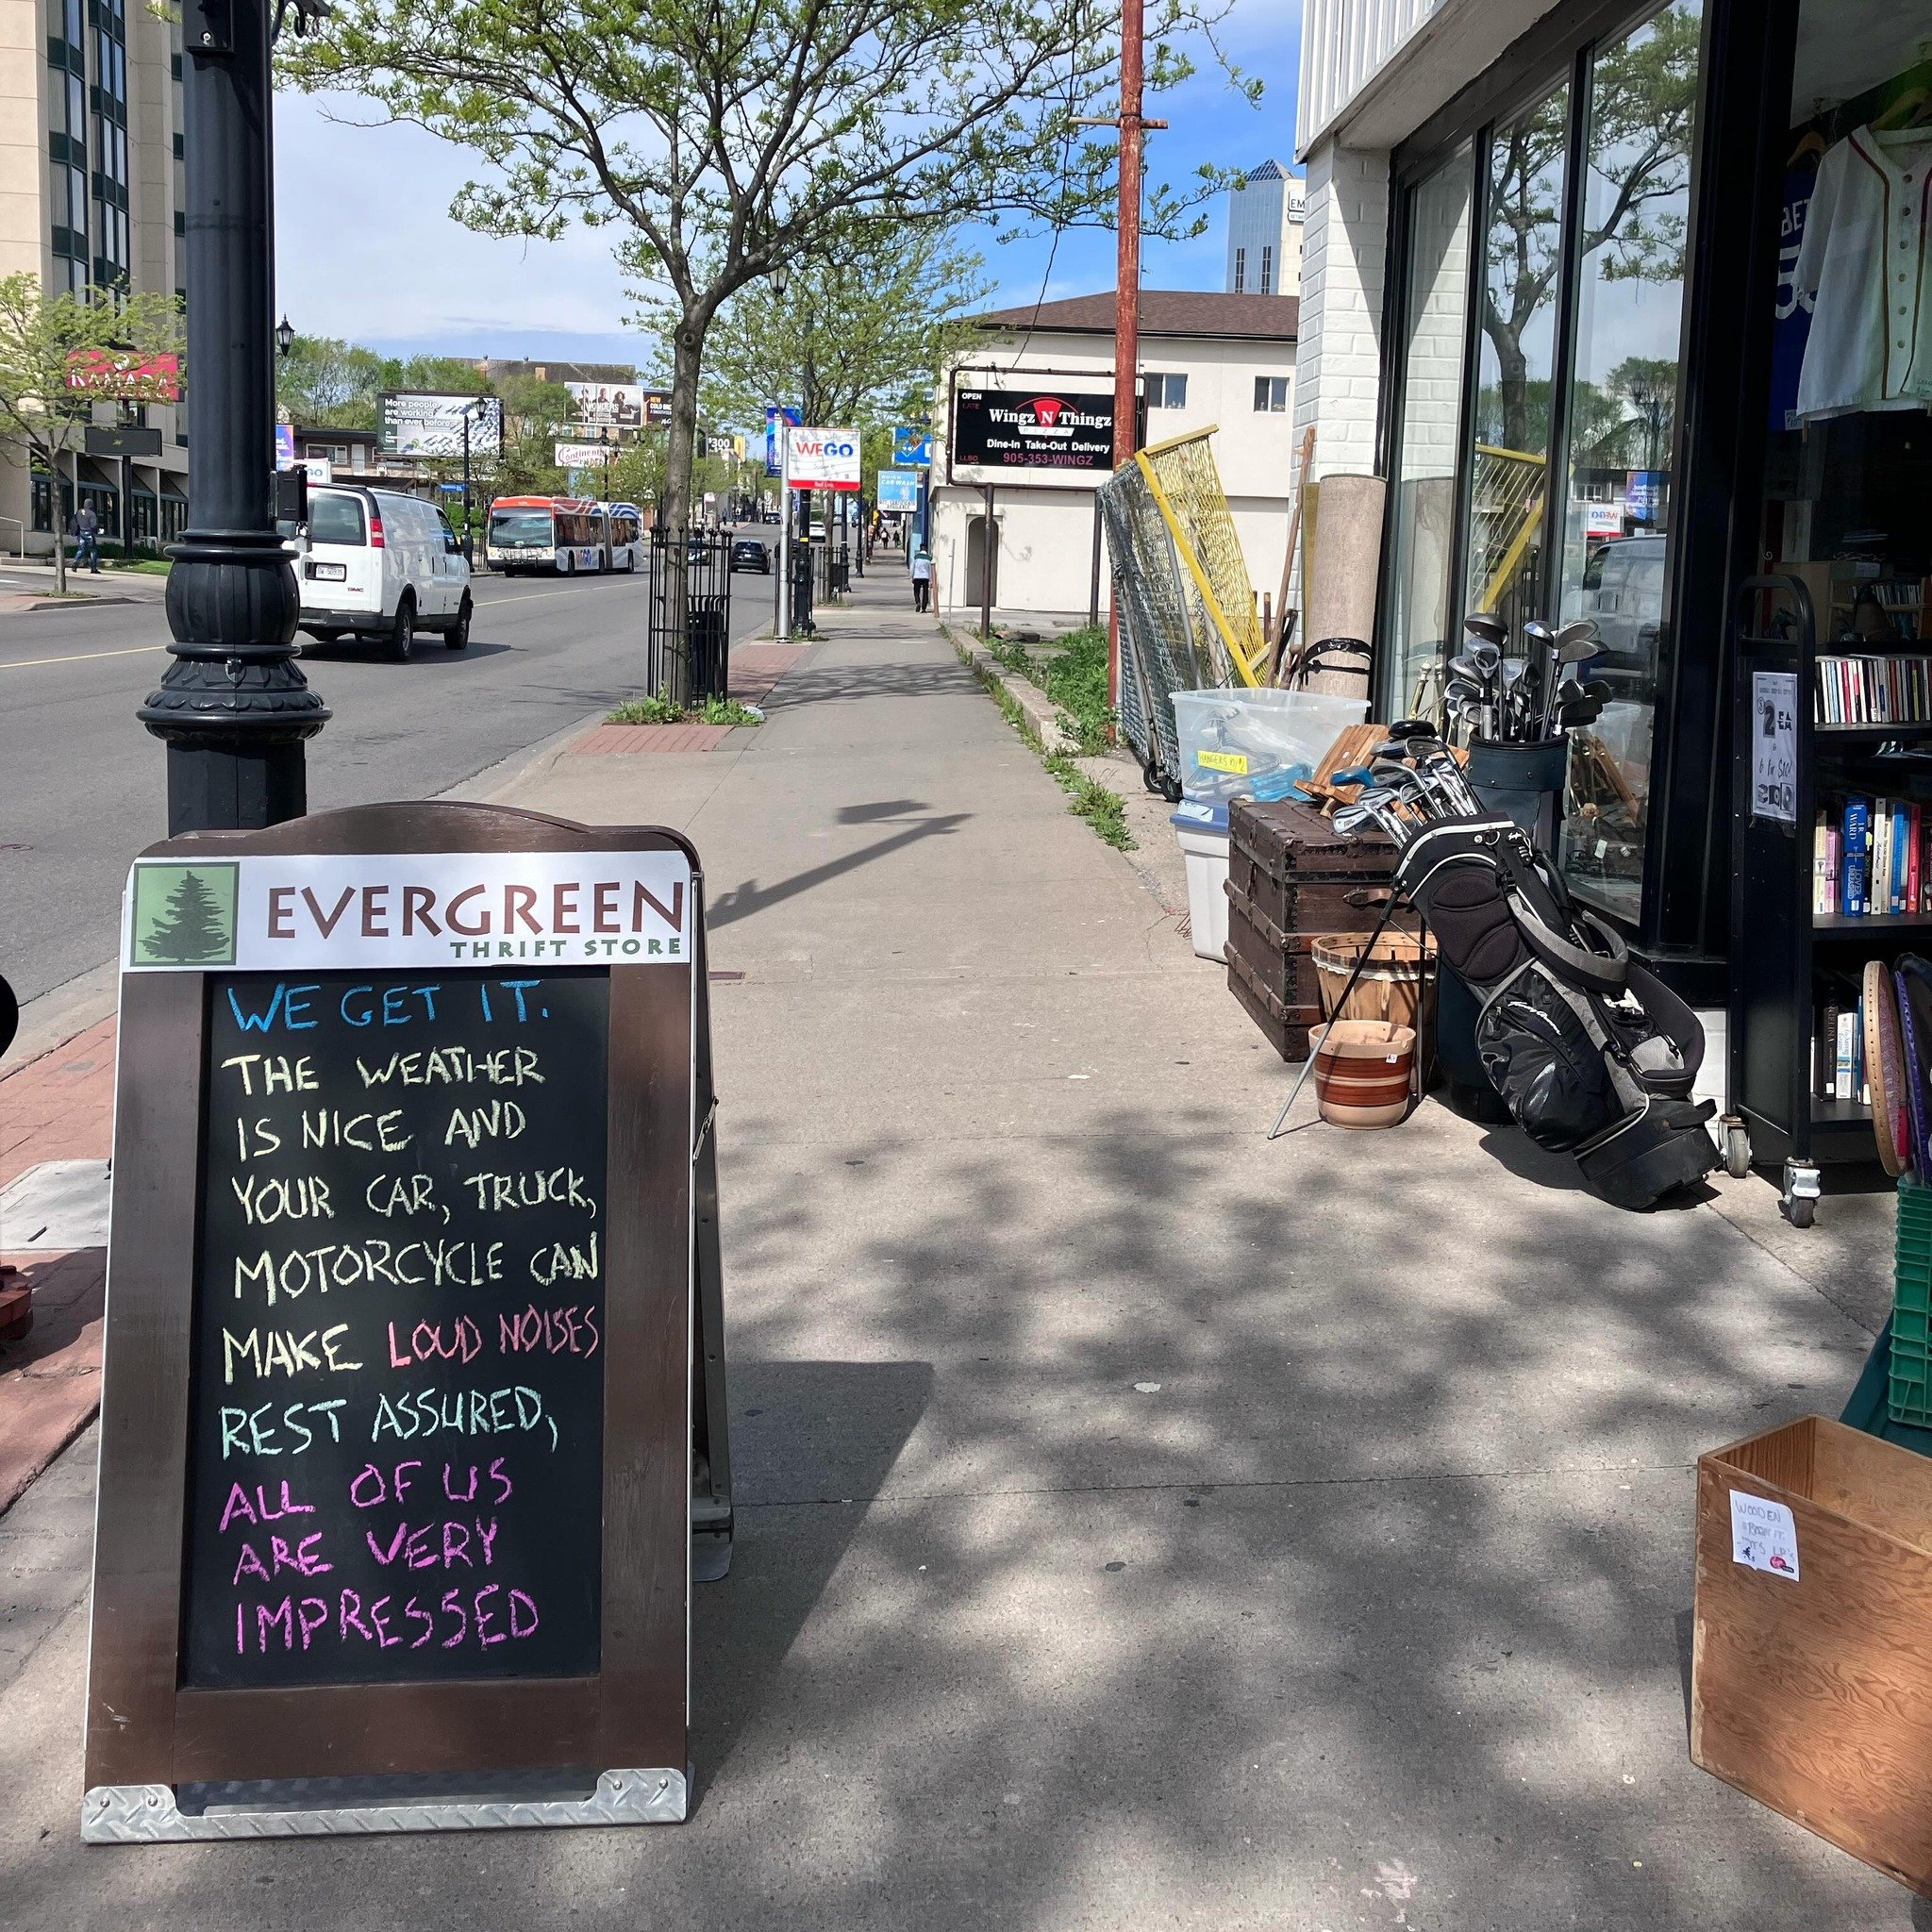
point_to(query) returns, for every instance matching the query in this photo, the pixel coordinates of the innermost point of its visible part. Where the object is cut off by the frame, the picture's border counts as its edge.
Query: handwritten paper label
(1235, 761)
(1774, 745)
(1764, 1535)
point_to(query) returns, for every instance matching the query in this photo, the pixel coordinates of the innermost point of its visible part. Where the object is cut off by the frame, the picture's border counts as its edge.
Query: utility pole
(1133, 126)
(233, 706)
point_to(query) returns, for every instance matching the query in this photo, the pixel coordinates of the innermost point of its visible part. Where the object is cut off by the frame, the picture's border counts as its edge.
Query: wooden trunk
(1813, 1693)
(1292, 880)
(1301, 874)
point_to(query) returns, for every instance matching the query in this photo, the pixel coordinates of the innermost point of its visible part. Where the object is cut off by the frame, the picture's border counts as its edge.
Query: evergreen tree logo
(184, 915)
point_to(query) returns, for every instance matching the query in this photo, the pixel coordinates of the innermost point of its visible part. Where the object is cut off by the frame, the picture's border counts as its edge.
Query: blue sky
(367, 251)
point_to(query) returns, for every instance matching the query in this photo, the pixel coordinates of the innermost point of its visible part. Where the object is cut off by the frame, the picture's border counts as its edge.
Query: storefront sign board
(399, 1418)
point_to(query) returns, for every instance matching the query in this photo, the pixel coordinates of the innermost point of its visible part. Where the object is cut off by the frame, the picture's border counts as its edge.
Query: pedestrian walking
(922, 578)
(86, 539)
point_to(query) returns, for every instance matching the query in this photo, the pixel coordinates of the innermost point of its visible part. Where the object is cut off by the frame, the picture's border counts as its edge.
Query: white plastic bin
(1240, 743)
(1203, 832)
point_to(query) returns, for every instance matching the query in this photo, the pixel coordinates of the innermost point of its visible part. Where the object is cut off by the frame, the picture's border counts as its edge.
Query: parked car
(747, 553)
(380, 565)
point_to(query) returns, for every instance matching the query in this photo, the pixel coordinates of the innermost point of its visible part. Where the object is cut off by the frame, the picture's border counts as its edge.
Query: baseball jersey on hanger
(1863, 265)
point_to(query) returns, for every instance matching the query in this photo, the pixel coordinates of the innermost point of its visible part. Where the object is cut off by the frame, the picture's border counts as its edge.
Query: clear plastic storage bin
(1239, 743)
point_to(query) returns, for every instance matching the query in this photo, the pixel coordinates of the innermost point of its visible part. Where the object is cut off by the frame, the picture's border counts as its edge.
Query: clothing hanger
(1810, 142)
(1901, 112)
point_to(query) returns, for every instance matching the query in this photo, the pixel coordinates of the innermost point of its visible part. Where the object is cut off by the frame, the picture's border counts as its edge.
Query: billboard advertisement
(824, 459)
(1032, 429)
(580, 456)
(618, 405)
(898, 490)
(125, 372)
(418, 424)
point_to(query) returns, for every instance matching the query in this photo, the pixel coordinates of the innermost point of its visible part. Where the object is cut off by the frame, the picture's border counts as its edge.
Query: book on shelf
(1895, 689)
(1870, 858)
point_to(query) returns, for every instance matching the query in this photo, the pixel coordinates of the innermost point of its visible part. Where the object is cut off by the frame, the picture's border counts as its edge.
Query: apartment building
(91, 190)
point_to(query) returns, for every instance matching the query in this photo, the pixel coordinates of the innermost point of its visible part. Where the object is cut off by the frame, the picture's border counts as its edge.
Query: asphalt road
(85, 787)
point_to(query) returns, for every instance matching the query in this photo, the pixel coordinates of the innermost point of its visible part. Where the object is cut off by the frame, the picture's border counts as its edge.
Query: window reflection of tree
(1643, 101)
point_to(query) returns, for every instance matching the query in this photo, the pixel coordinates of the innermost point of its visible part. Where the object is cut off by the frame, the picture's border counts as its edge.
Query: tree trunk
(59, 522)
(687, 341)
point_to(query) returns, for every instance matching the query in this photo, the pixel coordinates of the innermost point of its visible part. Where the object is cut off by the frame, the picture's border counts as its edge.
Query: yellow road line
(78, 656)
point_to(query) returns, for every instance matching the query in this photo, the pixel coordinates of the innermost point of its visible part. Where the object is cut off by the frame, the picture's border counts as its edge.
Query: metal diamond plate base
(147, 1814)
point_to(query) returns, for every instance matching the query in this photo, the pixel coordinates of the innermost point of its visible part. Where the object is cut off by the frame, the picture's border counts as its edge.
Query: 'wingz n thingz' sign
(1021, 430)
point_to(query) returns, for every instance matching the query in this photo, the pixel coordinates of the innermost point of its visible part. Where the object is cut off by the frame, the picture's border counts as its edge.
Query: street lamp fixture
(285, 337)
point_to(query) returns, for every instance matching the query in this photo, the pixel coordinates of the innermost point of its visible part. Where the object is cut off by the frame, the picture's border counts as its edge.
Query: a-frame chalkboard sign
(412, 1428)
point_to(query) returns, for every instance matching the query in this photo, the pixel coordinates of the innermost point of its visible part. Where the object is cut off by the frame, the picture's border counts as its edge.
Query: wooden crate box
(1813, 1692)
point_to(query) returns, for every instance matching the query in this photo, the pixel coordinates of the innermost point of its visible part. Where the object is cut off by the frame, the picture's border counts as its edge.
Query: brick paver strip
(651, 738)
(59, 1107)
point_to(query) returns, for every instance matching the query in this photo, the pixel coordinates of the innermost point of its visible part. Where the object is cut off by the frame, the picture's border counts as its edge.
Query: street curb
(1042, 714)
(78, 600)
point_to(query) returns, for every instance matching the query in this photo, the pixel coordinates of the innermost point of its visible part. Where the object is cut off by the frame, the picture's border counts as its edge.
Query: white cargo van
(380, 565)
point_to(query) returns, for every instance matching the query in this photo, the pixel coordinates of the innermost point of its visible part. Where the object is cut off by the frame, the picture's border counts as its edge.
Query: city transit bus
(625, 526)
(564, 534)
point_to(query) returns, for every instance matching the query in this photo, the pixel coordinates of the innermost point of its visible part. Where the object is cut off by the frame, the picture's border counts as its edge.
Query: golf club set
(1531, 695)
(1591, 1053)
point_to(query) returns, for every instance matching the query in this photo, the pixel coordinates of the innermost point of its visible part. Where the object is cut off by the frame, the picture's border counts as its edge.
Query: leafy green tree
(325, 383)
(726, 137)
(42, 417)
(842, 338)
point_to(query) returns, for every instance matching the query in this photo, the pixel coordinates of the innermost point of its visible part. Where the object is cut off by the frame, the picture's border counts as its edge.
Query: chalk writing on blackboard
(398, 1391)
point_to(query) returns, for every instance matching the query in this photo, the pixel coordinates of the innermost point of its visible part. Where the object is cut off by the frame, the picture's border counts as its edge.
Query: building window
(1267, 269)
(1271, 393)
(1241, 269)
(1165, 391)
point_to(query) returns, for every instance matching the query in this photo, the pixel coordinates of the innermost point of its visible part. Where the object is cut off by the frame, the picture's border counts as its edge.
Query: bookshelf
(1788, 960)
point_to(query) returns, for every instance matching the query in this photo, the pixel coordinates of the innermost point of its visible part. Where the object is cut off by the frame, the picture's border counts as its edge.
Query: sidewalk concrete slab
(1140, 1524)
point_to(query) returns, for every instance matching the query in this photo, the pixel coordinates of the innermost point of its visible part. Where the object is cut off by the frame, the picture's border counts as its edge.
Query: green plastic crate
(1908, 1395)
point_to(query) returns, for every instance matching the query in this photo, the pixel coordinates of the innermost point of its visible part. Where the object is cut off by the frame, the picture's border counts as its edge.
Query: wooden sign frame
(607, 1748)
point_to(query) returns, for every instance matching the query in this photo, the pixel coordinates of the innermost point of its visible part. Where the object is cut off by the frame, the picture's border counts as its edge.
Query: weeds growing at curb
(1073, 677)
(662, 711)
(1101, 809)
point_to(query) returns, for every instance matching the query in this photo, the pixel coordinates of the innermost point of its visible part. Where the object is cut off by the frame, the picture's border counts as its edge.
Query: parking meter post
(233, 707)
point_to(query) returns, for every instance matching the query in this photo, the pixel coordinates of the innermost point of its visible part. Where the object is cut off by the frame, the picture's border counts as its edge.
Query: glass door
(1621, 419)
(1419, 622)
(1520, 272)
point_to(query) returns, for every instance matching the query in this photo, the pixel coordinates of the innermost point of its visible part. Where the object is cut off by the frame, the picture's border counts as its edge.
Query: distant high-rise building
(1264, 233)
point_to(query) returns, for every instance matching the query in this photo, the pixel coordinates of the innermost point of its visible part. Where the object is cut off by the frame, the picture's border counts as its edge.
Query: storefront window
(1522, 263)
(1621, 424)
(1436, 309)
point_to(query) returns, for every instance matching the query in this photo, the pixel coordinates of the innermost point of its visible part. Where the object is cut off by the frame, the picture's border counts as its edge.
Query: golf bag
(1593, 1054)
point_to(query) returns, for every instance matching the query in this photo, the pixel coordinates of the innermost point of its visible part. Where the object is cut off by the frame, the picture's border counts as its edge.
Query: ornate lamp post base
(233, 707)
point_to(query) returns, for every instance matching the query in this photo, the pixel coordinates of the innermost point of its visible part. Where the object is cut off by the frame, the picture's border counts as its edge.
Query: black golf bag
(1593, 1054)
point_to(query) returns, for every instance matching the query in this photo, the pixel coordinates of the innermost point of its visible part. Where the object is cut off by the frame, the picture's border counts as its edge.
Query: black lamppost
(233, 707)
